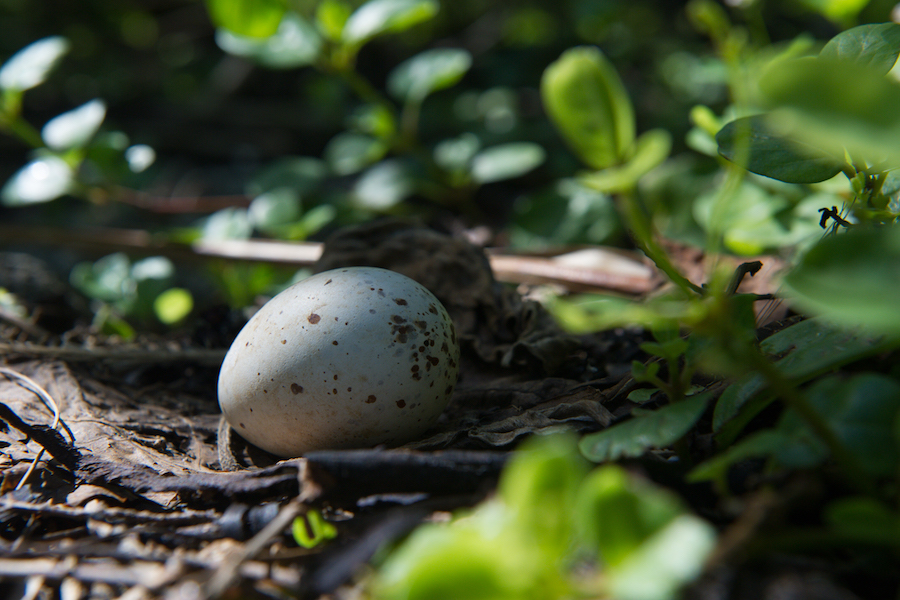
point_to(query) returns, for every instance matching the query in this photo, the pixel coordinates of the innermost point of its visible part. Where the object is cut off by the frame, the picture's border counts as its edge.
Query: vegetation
(601, 125)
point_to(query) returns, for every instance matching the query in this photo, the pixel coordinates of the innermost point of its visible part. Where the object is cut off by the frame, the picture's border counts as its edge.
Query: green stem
(23, 130)
(642, 232)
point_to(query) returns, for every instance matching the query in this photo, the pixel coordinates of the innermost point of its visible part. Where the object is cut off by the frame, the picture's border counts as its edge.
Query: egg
(348, 358)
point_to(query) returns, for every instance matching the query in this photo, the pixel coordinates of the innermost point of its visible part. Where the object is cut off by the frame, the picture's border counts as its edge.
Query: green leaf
(348, 153)
(251, 18)
(294, 44)
(108, 279)
(378, 17)
(384, 185)
(427, 72)
(539, 485)
(865, 519)
(875, 45)
(839, 11)
(272, 211)
(860, 410)
(760, 444)
(30, 66)
(227, 224)
(852, 279)
(617, 512)
(650, 150)
(805, 350)
(173, 305)
(587, 103)
(506, 161)
(41, 180)
(664, 563)
(331, 16)
(455, 154)
(836, 106)
(749, 142)
(311, 529)
(75, 128)
(645, 430)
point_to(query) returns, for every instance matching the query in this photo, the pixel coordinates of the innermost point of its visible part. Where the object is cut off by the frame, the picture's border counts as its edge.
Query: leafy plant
(555, 530)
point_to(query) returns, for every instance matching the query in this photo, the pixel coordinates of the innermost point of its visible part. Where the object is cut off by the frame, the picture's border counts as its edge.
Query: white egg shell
(348, 358)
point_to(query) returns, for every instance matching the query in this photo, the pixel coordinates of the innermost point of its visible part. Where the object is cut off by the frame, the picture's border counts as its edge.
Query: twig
(119, 355)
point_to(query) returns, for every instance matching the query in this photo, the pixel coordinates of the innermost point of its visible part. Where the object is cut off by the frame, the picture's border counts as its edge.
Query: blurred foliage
(742, 128)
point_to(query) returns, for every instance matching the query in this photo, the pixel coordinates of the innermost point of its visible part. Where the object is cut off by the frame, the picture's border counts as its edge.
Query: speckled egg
(348, 358)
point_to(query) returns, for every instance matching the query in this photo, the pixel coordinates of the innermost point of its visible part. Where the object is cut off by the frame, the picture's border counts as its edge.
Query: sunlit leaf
(749, 142)
(377, 17)
(295, 43)
(587, 102)
(31, 65)
(311, 529)
(428, 72)
(384, 185)
(645, 430)
(875, 45)
(666, 562)
(456, 153)
(173, 305)
(140, 157)
(331, 16)
(837, 10)
(617, 512)
(108, 278)
(227, 224)
(650, 150)
(41, 180)
(506, 161)
(76, 127)
(252, 18)
(851, 279)
(348, 153)
(271, 211)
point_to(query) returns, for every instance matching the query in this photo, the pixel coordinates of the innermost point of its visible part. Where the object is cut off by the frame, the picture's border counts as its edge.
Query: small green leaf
(839, 11)
(41, 180)
(251, 18)
(274, 210)
(331, 16)
(875, 45)
(227, 224)
(428, 72)
(31, 65)
(506, 161)
(456, 153)
(617, 512)
(311, 529)
(348, 153)
(75, 128)
(377, 17)
(294, 44)
(758, 445)
(384, 185)
(588, 104)
(852, 279)
(173, 305)
(651, 429)
(665, 562)
(749, 142)
(108, 279)
(650, 150)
